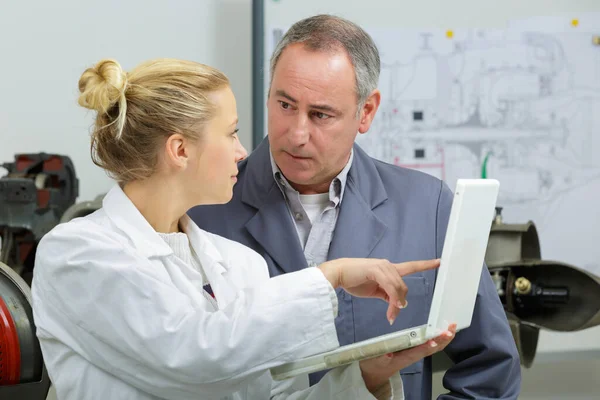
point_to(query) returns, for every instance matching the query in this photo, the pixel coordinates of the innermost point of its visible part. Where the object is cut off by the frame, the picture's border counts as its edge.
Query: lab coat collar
(125, 215)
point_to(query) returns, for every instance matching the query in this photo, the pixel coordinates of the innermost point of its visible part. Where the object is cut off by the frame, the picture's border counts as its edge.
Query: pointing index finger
(411, 267)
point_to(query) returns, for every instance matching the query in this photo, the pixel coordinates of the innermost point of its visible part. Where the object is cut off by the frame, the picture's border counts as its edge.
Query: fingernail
(449, 334)
(391, 321)
(400, 305)
(434, 344)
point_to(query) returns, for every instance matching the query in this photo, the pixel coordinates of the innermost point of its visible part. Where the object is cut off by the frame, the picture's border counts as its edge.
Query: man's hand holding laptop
(383, 279)
(377, 371)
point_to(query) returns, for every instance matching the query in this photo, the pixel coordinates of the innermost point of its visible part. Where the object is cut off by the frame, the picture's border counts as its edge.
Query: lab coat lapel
(212, 261)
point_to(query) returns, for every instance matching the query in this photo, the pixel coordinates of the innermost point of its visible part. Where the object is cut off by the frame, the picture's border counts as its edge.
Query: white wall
(45, 46)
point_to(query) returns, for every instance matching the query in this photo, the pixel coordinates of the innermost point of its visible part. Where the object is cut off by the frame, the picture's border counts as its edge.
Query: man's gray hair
(330, 33)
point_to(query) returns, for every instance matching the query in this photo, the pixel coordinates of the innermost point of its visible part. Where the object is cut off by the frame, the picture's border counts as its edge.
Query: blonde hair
(137, 111)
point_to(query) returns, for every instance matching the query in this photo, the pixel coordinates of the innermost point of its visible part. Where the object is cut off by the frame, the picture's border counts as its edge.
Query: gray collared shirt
(321, 229)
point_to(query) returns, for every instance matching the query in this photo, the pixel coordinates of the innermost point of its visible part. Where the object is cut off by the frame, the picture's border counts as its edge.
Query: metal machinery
(35, 193)
(536, 293)
(82, 209)
(22, 372)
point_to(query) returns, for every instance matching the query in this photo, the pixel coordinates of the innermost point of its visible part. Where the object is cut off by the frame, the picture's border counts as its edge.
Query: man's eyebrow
(319, 107)
(325, 108)
(282, 93)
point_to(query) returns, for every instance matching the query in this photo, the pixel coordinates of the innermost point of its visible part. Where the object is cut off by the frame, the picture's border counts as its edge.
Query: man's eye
(284, 105)
(321, 115)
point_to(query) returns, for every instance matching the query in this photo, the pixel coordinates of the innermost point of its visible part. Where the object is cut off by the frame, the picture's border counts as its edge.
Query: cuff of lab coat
(397, 387)
(334, 300)
(392, 390)
(332, 296)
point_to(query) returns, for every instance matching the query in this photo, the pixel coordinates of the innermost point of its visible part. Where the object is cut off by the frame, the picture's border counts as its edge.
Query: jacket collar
(363, 175)
(358, 228)
(365, 179)
(336, 187)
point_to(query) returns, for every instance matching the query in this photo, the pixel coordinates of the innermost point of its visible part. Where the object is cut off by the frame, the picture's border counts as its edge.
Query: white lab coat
(119, 316)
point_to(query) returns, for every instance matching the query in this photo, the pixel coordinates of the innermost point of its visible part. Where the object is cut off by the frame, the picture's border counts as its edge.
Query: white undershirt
(180, 244)
(314, 205)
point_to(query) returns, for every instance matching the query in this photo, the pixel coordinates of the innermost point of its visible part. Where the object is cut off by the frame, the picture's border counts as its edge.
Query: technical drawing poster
(516, 105)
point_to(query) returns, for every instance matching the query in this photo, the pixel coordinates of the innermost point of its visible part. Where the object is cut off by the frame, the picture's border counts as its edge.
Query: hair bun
(102, 86)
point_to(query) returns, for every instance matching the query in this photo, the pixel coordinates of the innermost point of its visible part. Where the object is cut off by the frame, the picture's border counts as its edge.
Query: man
(308, 193)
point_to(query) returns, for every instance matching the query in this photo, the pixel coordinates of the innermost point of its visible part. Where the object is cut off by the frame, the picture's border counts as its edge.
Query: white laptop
(455, 290)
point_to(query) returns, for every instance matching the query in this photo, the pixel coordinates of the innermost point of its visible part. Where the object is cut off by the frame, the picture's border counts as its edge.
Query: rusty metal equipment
(33, 196)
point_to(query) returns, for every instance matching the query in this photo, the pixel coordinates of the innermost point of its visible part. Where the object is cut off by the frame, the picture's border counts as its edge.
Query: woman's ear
(177, 151)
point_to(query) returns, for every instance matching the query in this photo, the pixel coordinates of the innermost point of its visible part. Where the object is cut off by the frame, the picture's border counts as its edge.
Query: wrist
(331, 271)
(373, 382)
(373, 375)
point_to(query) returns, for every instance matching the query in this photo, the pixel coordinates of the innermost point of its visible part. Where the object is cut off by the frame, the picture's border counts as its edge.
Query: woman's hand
(377, 371)
(366, 277)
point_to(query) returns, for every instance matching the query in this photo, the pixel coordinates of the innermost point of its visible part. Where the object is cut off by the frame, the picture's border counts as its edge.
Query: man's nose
(299, 132)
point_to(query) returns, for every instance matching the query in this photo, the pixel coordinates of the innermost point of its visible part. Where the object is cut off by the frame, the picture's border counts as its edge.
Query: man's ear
(368, 111)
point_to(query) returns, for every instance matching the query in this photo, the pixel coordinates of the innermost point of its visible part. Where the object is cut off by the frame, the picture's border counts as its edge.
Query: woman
(121, 297)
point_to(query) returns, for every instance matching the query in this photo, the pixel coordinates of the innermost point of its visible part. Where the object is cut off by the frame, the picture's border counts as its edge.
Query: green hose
(484, 165)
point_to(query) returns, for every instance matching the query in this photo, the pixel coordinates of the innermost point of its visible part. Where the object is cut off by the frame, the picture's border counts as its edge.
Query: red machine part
(10, 353)
(53, 163)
